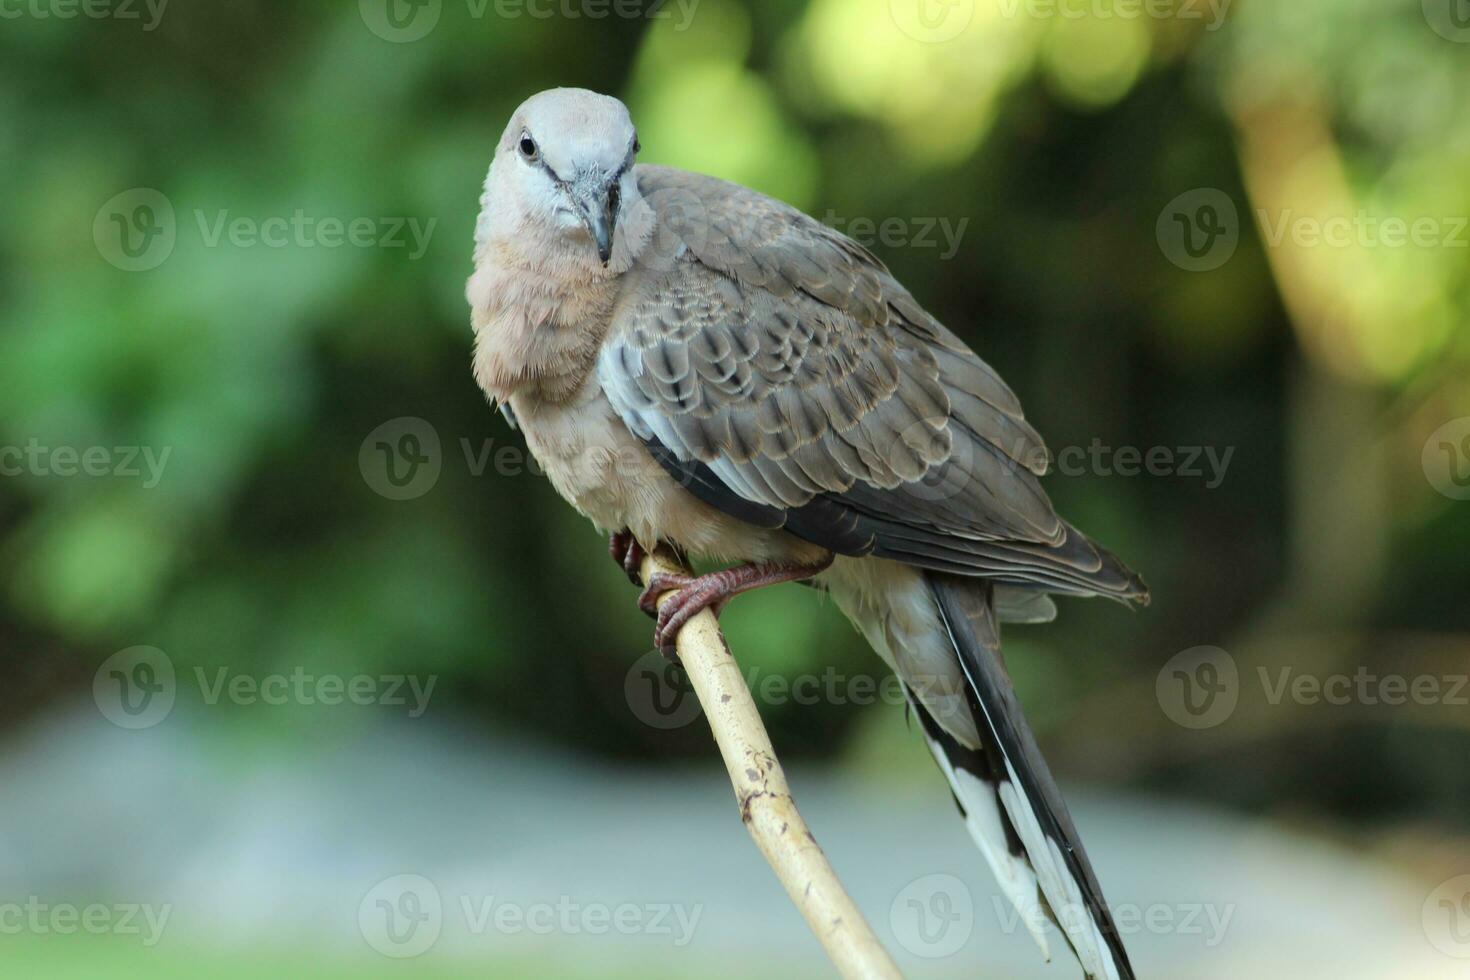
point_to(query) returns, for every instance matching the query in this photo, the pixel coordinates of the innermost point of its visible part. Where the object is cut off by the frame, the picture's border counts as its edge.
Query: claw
(617, 545)
(660, 583)
(711, 592)
(633, 562)
(672, 616)
(628, 554)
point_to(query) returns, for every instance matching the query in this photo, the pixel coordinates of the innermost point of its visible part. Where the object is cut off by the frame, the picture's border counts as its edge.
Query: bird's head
(562, 175)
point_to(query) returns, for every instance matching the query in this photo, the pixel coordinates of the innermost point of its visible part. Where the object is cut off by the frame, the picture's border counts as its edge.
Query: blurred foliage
(1059, 140)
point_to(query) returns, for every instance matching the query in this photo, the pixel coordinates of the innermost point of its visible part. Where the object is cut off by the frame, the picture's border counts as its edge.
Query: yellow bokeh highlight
(938, 96)
(1092, 61)
(699, 108)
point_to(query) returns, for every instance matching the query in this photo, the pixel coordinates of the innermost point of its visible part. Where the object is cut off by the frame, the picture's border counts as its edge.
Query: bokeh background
(245, 465)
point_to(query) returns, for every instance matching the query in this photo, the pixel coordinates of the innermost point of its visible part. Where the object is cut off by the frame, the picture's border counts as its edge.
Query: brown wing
(780, 369)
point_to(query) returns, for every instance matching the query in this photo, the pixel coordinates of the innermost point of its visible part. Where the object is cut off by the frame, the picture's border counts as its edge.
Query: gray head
(563, 170)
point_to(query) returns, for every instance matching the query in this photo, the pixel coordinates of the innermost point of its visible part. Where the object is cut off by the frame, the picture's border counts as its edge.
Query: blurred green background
(1115, 208)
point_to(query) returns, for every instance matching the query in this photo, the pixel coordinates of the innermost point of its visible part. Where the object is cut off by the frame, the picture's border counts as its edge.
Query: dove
(697, 364)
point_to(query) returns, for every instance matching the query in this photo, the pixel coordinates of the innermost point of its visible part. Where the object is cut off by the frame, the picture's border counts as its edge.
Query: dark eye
(636, 145)
(528, 147)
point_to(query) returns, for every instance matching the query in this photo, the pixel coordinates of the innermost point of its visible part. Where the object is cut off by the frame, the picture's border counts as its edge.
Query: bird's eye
(528, 147)
(636, 145)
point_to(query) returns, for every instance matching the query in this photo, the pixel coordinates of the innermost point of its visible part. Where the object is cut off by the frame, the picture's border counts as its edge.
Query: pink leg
(712, 591)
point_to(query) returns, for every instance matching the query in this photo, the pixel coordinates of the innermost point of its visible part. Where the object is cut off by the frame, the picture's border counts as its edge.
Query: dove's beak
(602, 231)
(599, 206)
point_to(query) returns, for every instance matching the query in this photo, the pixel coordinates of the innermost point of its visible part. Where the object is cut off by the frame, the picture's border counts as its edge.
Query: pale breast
(536, 341)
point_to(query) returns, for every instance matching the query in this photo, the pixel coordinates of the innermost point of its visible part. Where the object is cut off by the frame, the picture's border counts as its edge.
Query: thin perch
(765, 800)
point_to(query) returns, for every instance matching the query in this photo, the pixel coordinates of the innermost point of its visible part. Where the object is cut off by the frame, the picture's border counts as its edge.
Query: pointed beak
(599, 206)
(602, 232)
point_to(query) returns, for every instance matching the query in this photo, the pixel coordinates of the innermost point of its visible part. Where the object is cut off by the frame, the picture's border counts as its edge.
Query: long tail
(1011, 803)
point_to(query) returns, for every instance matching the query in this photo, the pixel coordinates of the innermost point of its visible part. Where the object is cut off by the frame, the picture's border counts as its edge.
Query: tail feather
(1011, 769)
(980, 806)
(941, 635)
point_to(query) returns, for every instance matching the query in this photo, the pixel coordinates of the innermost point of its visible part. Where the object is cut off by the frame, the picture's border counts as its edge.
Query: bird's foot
(628, 554)
(711, 591)
(660, 583)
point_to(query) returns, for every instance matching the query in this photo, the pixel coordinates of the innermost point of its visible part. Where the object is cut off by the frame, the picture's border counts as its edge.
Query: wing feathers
(785, 364)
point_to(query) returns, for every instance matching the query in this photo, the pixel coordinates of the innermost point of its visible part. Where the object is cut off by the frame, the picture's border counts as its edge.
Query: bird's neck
(538, 325)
